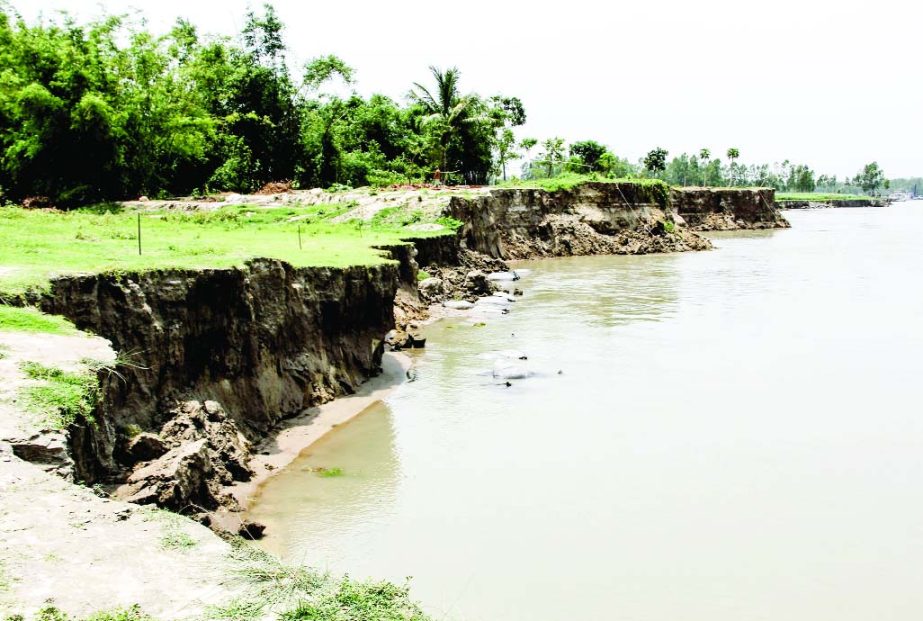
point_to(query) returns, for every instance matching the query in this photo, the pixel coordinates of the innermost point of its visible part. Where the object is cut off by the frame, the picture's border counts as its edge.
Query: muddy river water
(730, 435)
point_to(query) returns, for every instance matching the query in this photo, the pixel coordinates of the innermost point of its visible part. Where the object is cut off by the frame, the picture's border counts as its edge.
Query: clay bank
(211, 363)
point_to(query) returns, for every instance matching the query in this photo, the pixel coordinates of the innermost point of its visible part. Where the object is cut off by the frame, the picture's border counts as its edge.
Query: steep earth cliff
(605, 218)
(727, 209)
(213, 359)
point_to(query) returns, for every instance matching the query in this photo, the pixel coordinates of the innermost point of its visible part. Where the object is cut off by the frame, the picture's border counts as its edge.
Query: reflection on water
(369, 482)
(733, 435)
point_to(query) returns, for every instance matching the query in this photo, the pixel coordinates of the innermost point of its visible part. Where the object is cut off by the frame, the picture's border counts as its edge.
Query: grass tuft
(63, 397)
(301, 594)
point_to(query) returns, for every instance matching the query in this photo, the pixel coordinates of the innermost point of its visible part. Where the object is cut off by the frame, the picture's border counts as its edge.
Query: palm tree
(704, 156)
(444, 107)
(733, 154)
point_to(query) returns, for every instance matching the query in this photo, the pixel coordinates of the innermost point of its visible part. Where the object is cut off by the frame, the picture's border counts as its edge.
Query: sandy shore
(297, 434)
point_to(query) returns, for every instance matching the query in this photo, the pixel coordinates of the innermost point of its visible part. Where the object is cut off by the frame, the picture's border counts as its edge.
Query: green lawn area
(38, 245)
(31, 320)
(818, 197)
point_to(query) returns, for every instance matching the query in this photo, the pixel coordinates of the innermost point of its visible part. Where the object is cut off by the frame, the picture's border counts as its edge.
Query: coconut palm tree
(704, 157)
(446, 109)
(733, 154)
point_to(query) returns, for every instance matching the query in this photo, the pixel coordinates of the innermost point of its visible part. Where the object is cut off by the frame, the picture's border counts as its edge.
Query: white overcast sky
(833, 84)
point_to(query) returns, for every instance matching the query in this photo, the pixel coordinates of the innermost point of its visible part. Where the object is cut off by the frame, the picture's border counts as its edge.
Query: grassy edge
(32, 320)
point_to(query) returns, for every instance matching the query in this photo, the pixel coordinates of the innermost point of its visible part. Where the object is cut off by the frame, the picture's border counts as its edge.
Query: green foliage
(359, 601)
(298, 593)
(449, 222)
(62, 398)
(871, 178)
(656, 190)
(588, 153)
(421, 275)
(107, 110)
(656, 160)
(27, 319)
(820, 197)
(133, 613)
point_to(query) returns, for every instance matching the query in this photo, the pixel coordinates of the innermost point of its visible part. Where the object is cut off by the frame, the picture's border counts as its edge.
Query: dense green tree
(801, 179)
(655, 161)
(871, 178)
(588, 154)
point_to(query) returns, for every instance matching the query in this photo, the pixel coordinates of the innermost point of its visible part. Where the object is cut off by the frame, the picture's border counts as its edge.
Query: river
(717, 436)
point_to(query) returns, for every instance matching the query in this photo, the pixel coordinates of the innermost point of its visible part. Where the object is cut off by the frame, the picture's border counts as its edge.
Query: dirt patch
(52, 350)
(84, 553)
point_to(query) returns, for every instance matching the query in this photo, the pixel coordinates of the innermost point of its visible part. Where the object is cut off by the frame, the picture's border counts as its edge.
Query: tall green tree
(588, 154)
(553, 154)
(871, 178)
(656, 160)
(445, 108)
(704, 158)
(733, 153)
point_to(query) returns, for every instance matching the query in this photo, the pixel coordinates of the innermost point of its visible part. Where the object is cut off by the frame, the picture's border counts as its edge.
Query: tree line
(109, 110)
(555, 157)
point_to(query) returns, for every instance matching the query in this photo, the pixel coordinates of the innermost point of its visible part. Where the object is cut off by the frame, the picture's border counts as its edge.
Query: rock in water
(251, 530)
(478, 283)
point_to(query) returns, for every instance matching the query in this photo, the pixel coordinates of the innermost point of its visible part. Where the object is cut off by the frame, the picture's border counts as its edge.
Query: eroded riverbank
(730, 438)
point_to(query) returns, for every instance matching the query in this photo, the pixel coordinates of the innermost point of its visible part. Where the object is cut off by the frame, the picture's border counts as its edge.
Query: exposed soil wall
(606, 218)
(866, 202)
(241, 347)
(592, 218)
(724, 209)
(443, 251)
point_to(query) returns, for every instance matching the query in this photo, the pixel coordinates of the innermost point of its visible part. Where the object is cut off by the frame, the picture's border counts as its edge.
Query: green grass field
(31, 320)
(38, 245)
(817, 197)
(569, 181)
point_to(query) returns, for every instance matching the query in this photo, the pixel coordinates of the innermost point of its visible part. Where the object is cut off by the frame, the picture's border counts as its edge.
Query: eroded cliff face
(592, 218)
(829, 204)
(254, 344)
(606, 218)
(726, 209)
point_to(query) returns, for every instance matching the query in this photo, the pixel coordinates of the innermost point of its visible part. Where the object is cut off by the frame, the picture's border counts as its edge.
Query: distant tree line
(109, 110)
(696, 169)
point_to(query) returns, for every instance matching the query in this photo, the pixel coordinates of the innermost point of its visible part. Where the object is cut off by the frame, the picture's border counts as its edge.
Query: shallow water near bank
(734, 434)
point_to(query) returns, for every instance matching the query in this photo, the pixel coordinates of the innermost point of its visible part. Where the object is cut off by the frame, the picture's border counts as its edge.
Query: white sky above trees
(833, 84)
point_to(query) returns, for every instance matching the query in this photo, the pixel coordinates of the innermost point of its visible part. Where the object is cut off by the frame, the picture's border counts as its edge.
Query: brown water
(736, 435)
